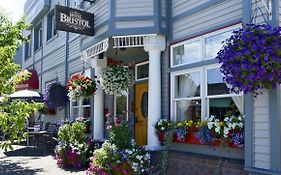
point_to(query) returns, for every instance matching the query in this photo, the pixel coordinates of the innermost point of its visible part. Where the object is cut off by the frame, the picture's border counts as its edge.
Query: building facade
(171, 45)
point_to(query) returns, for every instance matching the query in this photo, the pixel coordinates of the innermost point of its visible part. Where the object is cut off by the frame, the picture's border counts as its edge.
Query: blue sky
(13, 7)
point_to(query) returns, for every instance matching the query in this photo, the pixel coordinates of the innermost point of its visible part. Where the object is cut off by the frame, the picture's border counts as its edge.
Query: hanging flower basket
(251, 59)
(80, 86)
(116, 80)
(55, 96)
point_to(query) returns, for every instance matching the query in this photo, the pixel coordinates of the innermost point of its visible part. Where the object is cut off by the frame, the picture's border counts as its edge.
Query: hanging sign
(75, 21)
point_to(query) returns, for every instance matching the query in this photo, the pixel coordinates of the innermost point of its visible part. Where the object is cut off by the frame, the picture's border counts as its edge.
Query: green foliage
(106, 157)
(70, 133)
(165, 154)
(13, 115)
(121, 136)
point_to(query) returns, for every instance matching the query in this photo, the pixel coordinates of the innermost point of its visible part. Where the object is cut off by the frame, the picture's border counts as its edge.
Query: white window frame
(202, 39)
(136, 71)
(80, 108)
(80, 105)
(172, 85)
(203, 91)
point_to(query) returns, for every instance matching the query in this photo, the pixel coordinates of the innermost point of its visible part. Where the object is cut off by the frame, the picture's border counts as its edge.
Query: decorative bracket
(94, 50)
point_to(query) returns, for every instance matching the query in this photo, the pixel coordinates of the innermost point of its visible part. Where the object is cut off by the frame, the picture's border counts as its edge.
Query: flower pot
(234, 145)
(216, 142)
(123, 168)
(161, 136)
(191, 138)
(177, 140)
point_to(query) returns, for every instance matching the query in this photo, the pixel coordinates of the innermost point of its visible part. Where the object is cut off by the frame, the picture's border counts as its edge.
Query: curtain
(238, 101)
(186, 88)
(179, 54)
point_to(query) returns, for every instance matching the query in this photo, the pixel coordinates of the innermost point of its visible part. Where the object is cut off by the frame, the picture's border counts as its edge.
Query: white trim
(130, 41)
(203, 48)
(95, 50)
(204, 97)
(127, 106)
(136, 71)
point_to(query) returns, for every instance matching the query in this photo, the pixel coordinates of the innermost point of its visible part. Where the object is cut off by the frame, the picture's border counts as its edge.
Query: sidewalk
(31, 161)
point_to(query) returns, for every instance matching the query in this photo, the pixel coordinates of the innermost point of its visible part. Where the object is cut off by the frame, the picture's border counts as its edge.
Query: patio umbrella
(27, 95)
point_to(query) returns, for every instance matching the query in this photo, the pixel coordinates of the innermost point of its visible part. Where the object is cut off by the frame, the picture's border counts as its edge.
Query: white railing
(129, 41)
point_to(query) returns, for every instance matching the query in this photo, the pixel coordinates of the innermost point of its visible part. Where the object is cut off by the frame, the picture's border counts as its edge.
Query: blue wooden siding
(101, 10)
(205, 18)
(181, 6)
(134, 8)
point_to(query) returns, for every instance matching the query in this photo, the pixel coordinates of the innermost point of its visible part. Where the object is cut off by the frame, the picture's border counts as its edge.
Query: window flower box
(161, 136)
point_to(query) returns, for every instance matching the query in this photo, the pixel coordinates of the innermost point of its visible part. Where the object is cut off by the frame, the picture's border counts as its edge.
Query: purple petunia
(251, 58)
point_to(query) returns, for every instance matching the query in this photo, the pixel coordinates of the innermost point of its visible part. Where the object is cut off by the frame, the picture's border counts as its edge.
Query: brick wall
(181, 163)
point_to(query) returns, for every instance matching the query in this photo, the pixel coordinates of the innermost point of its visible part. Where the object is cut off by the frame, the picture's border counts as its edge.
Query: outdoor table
(37, 135)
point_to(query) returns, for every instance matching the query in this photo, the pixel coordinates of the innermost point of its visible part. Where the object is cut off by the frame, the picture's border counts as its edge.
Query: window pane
(225, 107)
(213, 44)
(87, 73)
(74, 103)
(188, 110)
(121, 106)
(75, 113)
(187, 85)
(87, 112)
(142, 71)
(187, 53)
(216, 85)
(86, 101)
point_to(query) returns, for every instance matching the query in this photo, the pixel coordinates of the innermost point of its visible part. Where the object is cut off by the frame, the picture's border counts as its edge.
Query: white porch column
(154, 45)
(99, 65)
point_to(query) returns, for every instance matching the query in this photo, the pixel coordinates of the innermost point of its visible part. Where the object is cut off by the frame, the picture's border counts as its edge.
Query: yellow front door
(141, 113)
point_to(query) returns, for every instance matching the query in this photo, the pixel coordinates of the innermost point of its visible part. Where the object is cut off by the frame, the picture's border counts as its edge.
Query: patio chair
(49, 137)
(34, 126)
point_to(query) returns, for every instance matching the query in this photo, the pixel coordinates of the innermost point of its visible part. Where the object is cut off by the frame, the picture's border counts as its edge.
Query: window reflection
(187, 53)
(213, 44)
(188, 110)
(226, 107)
(216, 85)
(121, 107)
(188, 85)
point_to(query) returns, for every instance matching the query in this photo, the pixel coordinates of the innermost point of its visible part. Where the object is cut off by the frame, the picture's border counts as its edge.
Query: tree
(13, 115)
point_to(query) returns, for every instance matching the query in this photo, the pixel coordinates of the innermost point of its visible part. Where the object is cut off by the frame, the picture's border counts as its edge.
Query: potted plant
(116, 80)
(234, 131)
(192, 128)
(250, 59)
(162, 127)
(73, 149)
(108, 160)
(80, 86)
(55, 96)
